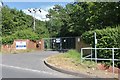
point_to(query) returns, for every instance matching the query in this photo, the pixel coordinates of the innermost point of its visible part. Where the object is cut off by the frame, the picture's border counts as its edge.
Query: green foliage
(22, 34)
(76, 18)
(76, 57)
(107, 38)
(118, 37)
(7, 40)
(104, 35)
(18, 25)
(41, 29)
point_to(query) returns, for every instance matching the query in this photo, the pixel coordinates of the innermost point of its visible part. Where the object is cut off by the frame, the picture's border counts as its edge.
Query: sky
(44, 6)
(25, 5)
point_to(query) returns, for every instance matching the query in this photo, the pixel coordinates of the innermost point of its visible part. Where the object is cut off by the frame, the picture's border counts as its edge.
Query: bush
(22, 34)
(107, 38)
(7, 40)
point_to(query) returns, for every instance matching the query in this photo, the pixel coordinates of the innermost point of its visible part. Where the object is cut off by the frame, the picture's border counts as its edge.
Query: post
(34, 22)
(81, 54)
(95, 47)
(113, 60)
(60, 44)
(34, 12)
(91, 54)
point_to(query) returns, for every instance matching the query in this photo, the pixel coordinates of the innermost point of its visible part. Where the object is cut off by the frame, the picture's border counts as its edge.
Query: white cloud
(49, 7)
(1, 4)
(39, 15)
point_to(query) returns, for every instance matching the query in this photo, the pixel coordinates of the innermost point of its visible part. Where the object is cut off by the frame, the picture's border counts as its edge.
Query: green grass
(76, 58)
(73, 54)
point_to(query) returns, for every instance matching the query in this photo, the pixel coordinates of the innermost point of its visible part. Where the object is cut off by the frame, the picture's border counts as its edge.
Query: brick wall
(30, 45)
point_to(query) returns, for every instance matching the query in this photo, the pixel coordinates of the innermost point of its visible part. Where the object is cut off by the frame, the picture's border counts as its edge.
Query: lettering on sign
(20, 44)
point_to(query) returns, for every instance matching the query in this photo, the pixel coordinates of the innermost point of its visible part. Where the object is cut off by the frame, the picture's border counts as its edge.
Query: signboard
(95, 41)
(20, 44)
(58, 40)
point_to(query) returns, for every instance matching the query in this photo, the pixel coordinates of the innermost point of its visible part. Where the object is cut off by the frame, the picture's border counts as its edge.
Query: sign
(95, 41)
(20, 44)
(58, 40)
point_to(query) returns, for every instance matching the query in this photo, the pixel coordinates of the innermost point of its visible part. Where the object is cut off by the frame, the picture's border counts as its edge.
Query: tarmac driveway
(29, 65)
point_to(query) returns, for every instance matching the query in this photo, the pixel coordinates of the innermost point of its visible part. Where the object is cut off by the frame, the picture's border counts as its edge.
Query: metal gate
(59, 44)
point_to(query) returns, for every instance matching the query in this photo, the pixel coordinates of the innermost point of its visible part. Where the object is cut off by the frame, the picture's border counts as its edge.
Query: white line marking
(26, 69)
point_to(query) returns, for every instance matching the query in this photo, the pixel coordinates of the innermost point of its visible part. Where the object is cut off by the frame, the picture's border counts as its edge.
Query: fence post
(113, 60)
(81, 54)
(95, 47)
(60, 44)
(91, 54)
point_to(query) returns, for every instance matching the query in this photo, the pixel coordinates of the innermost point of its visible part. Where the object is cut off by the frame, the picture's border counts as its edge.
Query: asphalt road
(29, 65)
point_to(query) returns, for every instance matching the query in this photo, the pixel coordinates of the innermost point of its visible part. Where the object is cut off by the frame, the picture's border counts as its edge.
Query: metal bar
(81, 55)
(91, 54)
(34, 22)
(88, 56)
(100, 48)
(95, 48)
(58, 37)
(113, 60)
(101, 59)
(61, 44)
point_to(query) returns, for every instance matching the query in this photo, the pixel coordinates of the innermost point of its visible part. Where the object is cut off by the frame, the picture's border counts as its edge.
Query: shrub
(22, 34)
(7, 40)
(107, 38)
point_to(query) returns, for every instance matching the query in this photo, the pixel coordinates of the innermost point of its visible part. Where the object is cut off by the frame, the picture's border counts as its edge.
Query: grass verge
(71, 61)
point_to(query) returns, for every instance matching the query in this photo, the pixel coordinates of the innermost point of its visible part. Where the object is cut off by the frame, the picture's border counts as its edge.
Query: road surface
(29, 65)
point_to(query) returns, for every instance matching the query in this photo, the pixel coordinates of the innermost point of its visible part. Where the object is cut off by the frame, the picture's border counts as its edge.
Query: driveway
(29, 65)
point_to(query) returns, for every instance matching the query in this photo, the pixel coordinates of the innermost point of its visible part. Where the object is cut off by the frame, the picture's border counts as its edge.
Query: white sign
(95, 41)
(20, 44)
(58, 40)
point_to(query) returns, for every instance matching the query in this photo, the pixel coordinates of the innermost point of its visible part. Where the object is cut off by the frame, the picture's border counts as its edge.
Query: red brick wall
(40, 44)
(31, 45)
(6, 48)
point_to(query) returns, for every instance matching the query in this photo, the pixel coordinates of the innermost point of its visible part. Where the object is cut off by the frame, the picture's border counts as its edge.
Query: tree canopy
(76, 18)
(72, 20)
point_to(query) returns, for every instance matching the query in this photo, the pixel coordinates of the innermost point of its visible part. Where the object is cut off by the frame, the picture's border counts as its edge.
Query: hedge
(107, 38)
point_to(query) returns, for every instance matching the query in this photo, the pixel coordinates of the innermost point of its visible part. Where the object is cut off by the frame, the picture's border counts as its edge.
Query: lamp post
(34, 12)
(50, 29)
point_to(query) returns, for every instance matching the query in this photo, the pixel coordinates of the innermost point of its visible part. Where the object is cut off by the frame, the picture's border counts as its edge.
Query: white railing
(91, 58)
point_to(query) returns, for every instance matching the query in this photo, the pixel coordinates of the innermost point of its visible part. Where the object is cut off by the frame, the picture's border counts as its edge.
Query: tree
(76, 18)
(13, 21)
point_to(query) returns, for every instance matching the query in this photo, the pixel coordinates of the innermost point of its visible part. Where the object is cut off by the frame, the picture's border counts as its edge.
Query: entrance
(59, 44)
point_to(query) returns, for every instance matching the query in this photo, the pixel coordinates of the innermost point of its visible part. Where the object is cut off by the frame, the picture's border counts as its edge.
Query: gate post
(60, 44)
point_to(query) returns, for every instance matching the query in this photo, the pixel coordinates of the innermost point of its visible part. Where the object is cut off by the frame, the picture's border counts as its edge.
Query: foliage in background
(107, 38)
(71, 20)
(76, 18)
(22, 34)
(16, 24)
